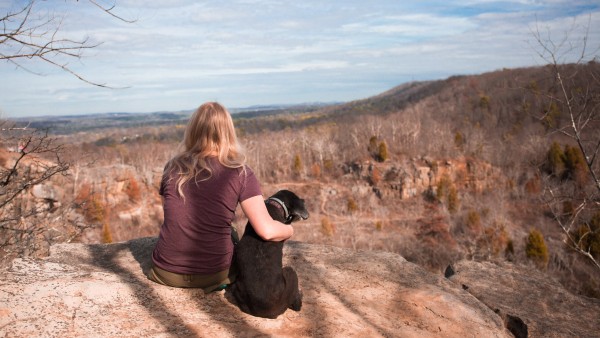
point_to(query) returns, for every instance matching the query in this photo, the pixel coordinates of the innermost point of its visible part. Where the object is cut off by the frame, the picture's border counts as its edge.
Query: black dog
(264, 288)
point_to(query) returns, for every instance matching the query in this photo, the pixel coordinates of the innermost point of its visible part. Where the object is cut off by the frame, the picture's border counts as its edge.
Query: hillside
(434, 171)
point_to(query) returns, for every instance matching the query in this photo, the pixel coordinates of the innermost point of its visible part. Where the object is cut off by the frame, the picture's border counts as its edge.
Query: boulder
(45, 192)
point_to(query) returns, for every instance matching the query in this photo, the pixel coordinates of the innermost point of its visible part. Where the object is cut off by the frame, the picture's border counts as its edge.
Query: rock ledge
(102, 291)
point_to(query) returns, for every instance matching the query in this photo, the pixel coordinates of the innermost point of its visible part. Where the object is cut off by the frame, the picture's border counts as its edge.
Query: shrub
(536, 248)
(446, 192)
(575, 164)
(533, 186)
(382, 152)
(379, 225)
(378, 149)
(375, 176)
(497, 238)
(327, 227)
(436, 246)
(328, 165)
(459, 140)
(555, 160)
(452, 199)
(297, 165)
(372, 148)
(315, 170)
(509, 251)
(435, 231)
(474, 221)
(551, 116)
(568, 164)
(594, 237)
(352, 205)
(90, 204)
(94, 210)
(442, 187)
(484, 102)
(588, 236)
(106, 232)
(132, 190)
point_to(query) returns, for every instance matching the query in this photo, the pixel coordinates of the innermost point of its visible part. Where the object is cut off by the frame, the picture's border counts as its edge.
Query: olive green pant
(208, 283)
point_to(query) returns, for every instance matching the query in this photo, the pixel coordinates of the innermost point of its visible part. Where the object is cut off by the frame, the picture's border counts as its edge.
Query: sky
(178, 54)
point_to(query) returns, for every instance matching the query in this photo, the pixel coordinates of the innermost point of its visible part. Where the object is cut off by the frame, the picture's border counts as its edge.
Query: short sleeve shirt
(195, 237)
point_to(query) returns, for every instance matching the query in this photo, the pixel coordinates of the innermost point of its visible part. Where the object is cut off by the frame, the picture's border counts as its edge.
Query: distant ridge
(67, 124)
(389, 101)
(307, 105)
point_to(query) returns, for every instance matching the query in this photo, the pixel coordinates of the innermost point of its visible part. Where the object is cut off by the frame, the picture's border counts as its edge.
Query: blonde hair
(209, 133)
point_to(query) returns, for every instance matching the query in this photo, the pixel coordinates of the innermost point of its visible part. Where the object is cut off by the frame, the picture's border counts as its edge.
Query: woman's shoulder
(217, 167)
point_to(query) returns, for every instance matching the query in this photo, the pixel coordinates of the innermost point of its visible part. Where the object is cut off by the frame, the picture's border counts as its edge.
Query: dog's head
(293, 203)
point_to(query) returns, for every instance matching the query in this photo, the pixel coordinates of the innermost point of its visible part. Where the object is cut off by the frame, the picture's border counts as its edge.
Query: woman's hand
(266, 227)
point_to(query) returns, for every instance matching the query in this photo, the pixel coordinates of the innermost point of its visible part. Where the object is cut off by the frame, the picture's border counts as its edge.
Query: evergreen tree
(574, 164)
(297, 166)
(536, 248)
(555, 160)
(382, 152)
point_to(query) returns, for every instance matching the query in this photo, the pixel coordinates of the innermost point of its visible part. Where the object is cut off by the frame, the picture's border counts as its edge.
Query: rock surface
(526, 298)
(101, 291)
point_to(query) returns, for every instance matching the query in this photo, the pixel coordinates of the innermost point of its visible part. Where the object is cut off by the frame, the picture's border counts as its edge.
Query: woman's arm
(268, 229)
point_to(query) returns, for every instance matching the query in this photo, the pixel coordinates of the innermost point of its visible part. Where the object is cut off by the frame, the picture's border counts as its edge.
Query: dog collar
(280, 202)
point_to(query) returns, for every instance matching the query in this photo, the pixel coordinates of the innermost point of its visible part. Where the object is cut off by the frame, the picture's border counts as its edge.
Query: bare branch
(109, 11)
(567, 228)
(25, 37)
(580, 102)
(68, 70)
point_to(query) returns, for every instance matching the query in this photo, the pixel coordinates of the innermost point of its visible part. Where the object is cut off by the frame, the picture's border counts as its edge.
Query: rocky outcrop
(416, 176)
(102, 291)
(528, 301)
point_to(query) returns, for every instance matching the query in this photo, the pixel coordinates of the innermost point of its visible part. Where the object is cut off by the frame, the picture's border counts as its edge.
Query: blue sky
(180, 53)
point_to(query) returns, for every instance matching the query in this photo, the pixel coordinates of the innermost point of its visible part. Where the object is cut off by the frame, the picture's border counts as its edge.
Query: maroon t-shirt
(195, 237)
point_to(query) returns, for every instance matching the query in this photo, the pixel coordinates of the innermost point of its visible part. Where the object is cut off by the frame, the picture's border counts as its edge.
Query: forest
(491, 167)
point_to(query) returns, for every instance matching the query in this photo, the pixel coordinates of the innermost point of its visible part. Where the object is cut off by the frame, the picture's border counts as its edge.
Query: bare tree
(30, 157)
(577, 98)
(31, 165)
(30, 35)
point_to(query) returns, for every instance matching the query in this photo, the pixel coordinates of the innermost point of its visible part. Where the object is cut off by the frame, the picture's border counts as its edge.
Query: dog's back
(263, 287)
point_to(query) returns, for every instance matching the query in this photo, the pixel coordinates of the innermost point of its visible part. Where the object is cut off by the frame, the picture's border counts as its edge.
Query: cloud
(261, 51)
(418, 26)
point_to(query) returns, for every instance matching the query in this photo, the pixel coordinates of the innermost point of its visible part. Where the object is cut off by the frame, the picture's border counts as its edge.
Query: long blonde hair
(209, 132)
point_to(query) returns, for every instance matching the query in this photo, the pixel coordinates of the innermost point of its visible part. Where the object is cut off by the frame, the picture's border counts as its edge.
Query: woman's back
(196, 235)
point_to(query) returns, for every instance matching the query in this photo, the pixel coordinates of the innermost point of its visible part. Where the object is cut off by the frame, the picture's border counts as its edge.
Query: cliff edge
(102, 291)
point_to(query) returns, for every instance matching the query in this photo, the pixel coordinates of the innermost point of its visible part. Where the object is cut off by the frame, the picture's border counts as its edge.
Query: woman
(201, 187)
